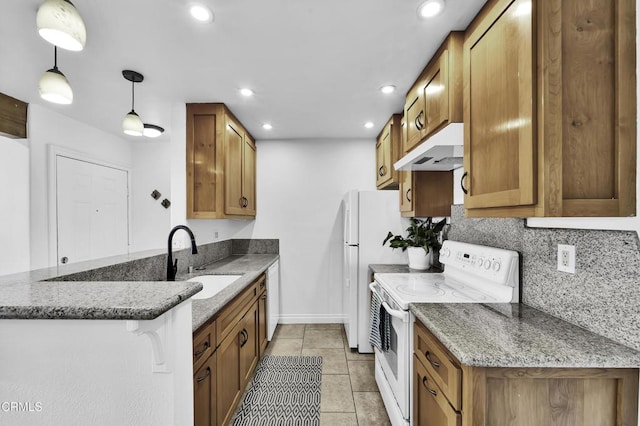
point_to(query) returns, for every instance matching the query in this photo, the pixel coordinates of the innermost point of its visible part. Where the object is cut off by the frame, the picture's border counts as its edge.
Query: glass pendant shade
(59, 23)
(132, 124)
(54, 87)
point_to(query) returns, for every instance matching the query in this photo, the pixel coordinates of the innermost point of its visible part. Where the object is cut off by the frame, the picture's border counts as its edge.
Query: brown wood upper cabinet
(436, 97)
(387, 153)
(550, 109)
(13, 117)
(221, 165)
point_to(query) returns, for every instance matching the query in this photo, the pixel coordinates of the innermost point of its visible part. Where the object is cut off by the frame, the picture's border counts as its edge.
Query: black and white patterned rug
(285, 391)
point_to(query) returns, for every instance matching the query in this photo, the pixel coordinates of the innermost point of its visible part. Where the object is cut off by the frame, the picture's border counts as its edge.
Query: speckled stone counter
(250, 266)
(140, 300)
(512, 335)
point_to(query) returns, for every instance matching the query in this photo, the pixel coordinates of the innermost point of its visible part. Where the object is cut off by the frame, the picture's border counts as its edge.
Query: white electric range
(472, 274)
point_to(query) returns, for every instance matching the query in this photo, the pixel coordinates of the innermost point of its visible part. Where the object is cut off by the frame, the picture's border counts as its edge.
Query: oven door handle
(402, 315)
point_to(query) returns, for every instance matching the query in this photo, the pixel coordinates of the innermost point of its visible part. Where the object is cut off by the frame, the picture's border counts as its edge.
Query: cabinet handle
(431, 391)
(204, 348)
(380, 173)
(241, 201)
(464, 175)
(407, 195)
(418, 122)
(264, 297)
(244, 202)
(203, 378)
(434, 363)
(246, 337)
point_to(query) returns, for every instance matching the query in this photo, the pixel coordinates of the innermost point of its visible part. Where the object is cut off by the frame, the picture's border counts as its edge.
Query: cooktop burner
(420, 290)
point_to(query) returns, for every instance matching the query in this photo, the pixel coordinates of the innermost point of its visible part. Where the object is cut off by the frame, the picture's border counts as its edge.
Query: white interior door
(92, 210)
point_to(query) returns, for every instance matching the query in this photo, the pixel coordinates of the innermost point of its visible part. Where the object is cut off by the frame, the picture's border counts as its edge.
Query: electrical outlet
(567, 258)
(215, 235)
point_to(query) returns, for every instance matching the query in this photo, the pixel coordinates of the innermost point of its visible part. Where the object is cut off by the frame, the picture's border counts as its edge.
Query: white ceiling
(316, 67)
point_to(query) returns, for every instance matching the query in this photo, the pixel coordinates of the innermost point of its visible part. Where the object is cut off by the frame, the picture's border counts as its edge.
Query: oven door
(395, 363)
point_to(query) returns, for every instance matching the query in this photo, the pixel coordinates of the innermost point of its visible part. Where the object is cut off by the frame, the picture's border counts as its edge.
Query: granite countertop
(26, 296)
(120, 300)
(250, 266)
(399, 269)
(516, 335)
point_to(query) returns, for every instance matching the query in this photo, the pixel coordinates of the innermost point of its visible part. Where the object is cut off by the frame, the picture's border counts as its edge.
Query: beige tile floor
(349, 392)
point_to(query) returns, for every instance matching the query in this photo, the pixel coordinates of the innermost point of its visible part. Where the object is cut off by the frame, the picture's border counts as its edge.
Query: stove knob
(496, 266)
(487, 264)
(447, 252)
(479, 262)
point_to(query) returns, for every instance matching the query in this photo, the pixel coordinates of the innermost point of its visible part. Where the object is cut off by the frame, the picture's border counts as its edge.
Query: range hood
(441, 152)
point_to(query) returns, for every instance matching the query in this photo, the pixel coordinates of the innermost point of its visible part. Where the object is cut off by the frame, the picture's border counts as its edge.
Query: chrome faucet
(172, 266)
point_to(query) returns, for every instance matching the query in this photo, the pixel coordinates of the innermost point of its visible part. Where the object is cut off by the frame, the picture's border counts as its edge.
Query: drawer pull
(203, 378)
(436, 364)
(204, 348)
(407, 195)
(246, 337)
(431, 391)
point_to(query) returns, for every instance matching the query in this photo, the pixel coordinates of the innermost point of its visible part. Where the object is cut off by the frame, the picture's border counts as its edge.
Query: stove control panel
(493, 264)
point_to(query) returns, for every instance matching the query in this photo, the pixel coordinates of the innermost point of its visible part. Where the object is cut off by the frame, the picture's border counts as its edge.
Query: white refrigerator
(367, 218)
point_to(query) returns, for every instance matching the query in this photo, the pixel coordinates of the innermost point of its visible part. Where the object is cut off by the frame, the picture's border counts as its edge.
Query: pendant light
(132, 124)
(53, 85)
(152, 131)
(59, 23)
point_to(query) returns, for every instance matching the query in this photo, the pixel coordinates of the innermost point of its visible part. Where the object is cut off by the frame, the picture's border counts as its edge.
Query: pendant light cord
(133, 94)
(55, 57)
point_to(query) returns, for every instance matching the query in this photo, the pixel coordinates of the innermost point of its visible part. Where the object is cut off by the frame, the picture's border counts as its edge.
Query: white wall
(151, 170)
(47, 127)
(14, 214)
(299, 192)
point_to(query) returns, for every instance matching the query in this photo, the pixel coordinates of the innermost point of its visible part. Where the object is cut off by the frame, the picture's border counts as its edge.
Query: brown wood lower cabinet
(220, 380)
(204, 393)
(517, 396)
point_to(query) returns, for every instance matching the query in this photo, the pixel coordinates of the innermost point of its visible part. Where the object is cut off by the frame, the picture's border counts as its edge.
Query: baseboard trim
(311, 319)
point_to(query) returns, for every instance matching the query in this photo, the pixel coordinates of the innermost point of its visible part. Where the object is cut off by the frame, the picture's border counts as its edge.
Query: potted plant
(422, 237)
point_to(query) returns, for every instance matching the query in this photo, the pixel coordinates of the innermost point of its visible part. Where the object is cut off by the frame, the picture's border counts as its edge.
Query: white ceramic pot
(418, 259)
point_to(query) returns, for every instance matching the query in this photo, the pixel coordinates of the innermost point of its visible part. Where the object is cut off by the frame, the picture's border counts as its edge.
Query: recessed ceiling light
(267, 126)
(201, 13)
(246, 92)
(430, 8)
(388, 89)
(368, 124)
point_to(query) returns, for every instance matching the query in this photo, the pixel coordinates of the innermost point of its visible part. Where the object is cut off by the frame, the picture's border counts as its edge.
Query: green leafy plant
(420, 233)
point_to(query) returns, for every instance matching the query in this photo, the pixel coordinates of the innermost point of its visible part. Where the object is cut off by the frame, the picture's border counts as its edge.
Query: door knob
(64, 259)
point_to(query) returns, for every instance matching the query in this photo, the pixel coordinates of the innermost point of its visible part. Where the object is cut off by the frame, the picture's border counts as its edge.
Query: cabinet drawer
(431, 407)
(233, 312)
(204, 343)
(441, 366)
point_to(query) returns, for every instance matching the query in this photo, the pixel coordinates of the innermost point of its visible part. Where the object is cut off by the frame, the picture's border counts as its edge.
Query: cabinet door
(499, 99)
(414, 115)
(436, 95)
(379, 163)
(249, 176)
(204, 393)
(383, 154)
(406, 196)
(430, 407)
(233, 169)
(262, 322)
(230, 378)
(249, 348)
(201, 160)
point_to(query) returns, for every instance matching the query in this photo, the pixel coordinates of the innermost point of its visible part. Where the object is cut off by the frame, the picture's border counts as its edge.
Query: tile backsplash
(603, 295)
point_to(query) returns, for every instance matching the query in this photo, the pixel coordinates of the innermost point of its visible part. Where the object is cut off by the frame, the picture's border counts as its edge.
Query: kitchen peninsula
(116, 349)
